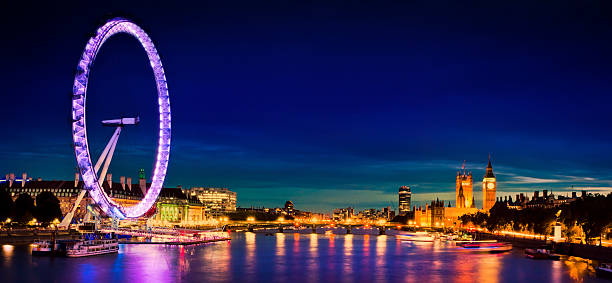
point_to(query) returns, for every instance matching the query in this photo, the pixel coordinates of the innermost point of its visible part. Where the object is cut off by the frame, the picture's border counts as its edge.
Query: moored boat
(75, 248)
(43, 248)
(91, 247)
(541, 253)
(486, 247)
(416, 237)
(604, 270)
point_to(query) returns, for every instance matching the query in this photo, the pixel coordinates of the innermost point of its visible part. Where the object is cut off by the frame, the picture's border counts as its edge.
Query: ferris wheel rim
(79, 128)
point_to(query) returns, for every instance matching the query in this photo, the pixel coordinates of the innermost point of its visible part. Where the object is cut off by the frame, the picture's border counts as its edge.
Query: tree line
(24, 209)
(589, 217)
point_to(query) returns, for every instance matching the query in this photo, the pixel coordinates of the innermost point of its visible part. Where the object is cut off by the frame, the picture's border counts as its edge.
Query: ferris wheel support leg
(108, 151)
(111, 143)
(68, 218)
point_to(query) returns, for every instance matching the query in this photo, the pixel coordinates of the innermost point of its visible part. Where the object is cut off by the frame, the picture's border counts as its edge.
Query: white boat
(91, 247)
(484, 246)
(43, 248)
(417, 237)
(75, 248)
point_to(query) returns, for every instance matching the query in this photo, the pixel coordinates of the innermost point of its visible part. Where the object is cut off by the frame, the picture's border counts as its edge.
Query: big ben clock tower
(489, 188)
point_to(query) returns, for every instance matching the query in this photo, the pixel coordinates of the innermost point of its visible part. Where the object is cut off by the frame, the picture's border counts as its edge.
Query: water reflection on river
(293, 257)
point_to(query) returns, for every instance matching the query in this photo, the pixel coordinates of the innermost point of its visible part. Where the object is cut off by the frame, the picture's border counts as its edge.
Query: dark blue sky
(326, 104)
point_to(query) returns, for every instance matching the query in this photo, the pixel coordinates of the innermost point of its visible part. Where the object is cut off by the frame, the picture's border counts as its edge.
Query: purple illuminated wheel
(79, 130)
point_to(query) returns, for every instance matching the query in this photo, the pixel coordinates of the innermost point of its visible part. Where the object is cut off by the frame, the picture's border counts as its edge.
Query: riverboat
(541, 253)
(604, 270)
(83, 248)
(486, 247)
(75, 248)
(44, 248)
(416, 237)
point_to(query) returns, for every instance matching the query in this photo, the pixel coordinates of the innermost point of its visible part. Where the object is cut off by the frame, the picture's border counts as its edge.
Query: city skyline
(290, 104)
(289, 141)
(418, 199)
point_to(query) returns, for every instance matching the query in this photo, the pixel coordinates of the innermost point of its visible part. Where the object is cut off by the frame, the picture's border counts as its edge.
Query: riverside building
(172, 206)
(216, 201)
(341, 214)
(124, 192)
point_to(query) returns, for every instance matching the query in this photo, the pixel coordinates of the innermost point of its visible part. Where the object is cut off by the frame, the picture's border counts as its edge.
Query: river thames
(253, 257)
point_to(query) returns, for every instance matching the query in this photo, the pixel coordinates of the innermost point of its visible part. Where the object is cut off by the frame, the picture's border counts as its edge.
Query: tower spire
(489, 187)
(489, 173)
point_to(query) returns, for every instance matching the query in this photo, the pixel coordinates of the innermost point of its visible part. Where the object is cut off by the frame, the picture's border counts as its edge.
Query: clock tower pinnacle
(489, 187)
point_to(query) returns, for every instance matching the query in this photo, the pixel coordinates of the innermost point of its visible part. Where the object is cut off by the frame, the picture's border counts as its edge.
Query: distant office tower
(404, 199)
(289, 207)
(489, 188)
(463, 189)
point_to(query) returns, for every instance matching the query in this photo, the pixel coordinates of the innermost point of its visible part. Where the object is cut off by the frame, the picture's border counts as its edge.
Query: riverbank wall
(29, 236)
(599, 253)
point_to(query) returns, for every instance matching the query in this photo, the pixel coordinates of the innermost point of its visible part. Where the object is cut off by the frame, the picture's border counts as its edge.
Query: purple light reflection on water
(381, 250)
(295, 258)
(313, 258)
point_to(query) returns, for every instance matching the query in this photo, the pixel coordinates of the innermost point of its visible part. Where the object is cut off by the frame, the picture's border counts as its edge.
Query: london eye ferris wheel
(89, 171)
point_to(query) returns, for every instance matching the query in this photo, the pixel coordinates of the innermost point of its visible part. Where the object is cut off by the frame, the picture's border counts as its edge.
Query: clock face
(490, 185)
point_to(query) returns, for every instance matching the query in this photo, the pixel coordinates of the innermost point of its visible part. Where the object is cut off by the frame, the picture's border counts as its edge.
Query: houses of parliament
(464, 194)
(436, 214)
